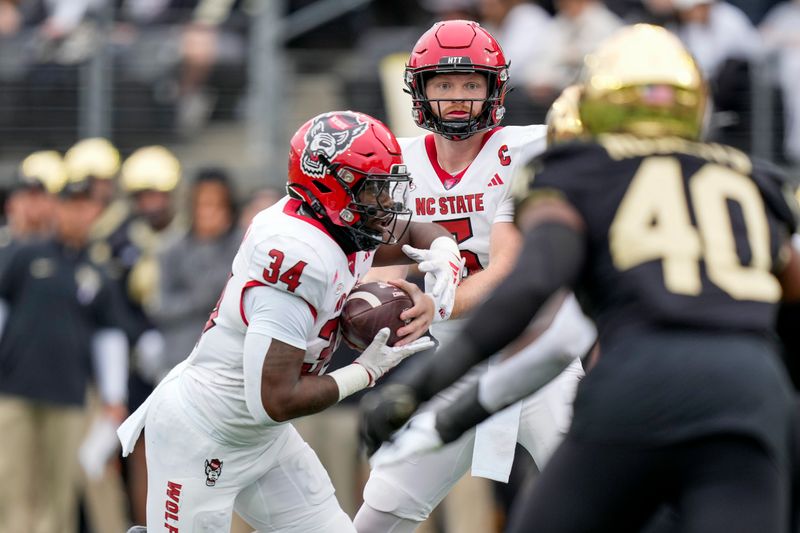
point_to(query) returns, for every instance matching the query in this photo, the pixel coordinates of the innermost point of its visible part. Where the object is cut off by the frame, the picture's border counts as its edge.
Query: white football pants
(278, 486)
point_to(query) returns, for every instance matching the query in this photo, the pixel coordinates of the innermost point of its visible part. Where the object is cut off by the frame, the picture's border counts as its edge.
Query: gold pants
(39, 462)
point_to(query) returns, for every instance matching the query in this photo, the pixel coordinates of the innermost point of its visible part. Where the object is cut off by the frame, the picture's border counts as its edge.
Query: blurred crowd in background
(148, 203)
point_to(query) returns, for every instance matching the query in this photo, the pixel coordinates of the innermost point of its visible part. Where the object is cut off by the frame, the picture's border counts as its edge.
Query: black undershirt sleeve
(551, 258)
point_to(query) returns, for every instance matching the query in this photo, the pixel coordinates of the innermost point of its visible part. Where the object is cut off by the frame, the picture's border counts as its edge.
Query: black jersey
(57, 300)
(680, 234)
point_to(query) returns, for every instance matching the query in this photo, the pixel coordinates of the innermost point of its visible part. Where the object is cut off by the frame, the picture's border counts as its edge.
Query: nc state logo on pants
(213, 471)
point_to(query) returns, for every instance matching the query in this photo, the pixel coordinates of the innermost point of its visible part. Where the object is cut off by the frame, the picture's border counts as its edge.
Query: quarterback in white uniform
(457, 76)
(217, 437)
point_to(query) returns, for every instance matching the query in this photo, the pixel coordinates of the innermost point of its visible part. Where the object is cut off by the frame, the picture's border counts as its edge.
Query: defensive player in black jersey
(680, 252)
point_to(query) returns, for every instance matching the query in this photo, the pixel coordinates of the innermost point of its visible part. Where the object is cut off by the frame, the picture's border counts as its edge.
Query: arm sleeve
(110, 358)
(570, 336)
(552, 257)
(272, 314)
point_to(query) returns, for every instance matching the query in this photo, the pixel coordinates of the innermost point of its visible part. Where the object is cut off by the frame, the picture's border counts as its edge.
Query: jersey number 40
(653, 223)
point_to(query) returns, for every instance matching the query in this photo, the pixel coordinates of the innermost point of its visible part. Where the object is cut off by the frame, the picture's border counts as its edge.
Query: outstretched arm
(552, 257)
(534, 360)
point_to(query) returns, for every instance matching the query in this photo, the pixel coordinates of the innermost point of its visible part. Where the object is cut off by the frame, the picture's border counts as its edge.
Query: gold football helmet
(95, 157)
(643, 81)
(563, 119)
(44, 168)
(150, 168)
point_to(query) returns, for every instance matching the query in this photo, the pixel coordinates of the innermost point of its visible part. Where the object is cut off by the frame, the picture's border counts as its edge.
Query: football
(371, 307)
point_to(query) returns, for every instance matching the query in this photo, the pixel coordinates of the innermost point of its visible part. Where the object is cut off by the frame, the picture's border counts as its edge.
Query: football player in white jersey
(457, 76)
(217, 437)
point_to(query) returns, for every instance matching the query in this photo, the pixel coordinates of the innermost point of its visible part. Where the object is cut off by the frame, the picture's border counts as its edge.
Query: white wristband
(350, 379)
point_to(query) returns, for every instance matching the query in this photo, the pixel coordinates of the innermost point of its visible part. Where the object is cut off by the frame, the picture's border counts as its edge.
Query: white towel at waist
(129, 431)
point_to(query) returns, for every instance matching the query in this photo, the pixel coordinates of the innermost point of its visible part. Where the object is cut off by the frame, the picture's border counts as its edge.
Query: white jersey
(292, 254)
(468, 203)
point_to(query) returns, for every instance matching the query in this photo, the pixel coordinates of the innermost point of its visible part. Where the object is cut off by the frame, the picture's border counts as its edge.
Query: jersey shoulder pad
(569, 167)
(522, 135)
(525, 142)
(288, 264)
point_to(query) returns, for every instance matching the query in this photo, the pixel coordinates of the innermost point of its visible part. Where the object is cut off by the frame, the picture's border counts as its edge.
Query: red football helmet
(348, 169)
(457, 46)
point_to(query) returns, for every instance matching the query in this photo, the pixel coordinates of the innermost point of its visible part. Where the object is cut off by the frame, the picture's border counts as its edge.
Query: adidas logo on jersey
(495, 181)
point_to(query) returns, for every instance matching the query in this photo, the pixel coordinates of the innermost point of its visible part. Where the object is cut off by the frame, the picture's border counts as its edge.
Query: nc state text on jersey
(450, 205)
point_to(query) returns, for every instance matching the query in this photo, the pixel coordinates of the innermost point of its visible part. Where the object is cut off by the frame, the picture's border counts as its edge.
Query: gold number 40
(653, 223)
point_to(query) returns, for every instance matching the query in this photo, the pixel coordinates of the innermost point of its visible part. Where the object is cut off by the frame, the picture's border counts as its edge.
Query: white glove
(418, 437)
(442, 264)
(378, 358)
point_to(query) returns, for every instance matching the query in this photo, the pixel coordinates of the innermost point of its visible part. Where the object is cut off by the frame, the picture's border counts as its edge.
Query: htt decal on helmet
(329, 135)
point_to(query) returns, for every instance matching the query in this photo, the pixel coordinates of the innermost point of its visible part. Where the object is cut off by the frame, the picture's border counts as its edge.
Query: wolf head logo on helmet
(347, 169)
(329, 135)
(457, 47)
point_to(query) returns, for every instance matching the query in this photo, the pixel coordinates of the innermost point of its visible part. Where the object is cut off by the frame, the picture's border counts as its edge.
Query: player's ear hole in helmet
(347, 168)
(457, 47)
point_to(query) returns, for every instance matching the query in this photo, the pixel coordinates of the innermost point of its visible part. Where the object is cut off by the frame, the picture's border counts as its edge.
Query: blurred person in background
(97, 160)
(45, 43)
(178, 45)
(577, 28)
(780, 30)
(258, 200)
(52, 20)
(523, 30)
(725, 43)
(715, 31)
(521, 27)
(29, 204)
(195, 268)
(451, 9)
(64, 323)
(148, 177)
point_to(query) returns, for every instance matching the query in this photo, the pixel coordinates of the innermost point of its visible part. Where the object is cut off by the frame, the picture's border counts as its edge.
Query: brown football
(371, 307)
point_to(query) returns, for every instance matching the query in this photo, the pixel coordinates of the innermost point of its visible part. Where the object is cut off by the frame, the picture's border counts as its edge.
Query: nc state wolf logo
(213, 471)
(330, 135)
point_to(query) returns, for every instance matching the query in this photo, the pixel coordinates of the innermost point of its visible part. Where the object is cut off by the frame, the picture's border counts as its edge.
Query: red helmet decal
(330, 135)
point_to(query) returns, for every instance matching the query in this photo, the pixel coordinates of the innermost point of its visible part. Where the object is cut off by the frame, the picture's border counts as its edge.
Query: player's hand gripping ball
(371, 307)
